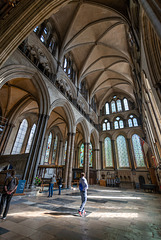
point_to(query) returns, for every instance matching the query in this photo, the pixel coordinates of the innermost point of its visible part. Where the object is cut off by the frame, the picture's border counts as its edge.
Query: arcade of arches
(80, 89)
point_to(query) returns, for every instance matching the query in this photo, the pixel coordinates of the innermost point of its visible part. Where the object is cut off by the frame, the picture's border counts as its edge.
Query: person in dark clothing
(9, 189)
(60, 185)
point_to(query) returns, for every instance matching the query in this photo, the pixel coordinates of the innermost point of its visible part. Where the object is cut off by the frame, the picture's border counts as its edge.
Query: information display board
(20, 187)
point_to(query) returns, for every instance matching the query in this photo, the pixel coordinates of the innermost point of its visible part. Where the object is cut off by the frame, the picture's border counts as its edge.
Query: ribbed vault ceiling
(97, 37)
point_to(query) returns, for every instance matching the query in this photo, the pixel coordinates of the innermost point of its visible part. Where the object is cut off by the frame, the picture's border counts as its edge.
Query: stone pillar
(130, 154)
(5, 137)
(88, 162)
(67, 159)
(60, 152)
(101, 154)
(71, 160)
(35, 150)
(114, 154)
(85, 159)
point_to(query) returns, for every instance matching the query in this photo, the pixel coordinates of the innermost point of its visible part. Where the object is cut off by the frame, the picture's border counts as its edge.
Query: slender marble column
(85, 159)
(60, 152)
(71, 160)
(5, 137)
(101, 154)
(67, 159)
(131, 155)
(88, 162)
(114, 153)
(35, 150)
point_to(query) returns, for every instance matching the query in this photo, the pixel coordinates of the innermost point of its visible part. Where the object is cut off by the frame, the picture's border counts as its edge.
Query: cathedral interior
(80, 90)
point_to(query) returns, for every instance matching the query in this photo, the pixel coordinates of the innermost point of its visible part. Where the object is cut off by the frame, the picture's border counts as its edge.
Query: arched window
(65, 64)
(132, 121)
(53, 46)
(30, 138)
(90, 155)
(36, 29)
(108, 152)
(106, 125)
(119, 106)
(81, 154)
(54, 150)
(126, 106)
(138, 151)
(20, 137)
(122, 151)
(118, 123)
(113, 106)
(107, 108)
(48, 148)
(65, 151)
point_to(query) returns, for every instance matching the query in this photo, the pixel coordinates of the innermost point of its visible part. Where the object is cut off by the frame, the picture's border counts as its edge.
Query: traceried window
(54, 150)
(107, 108)
(119, 106)
(113, 106)
(122, 151)
(53, 46)
(118, 123)
(30, 138)
(106, 125)
(126, 106)
(65, 64)
(20, 137)
(132, 121)
(90, 155)
(65, 151)
(139, 158)
(108, 152)
(36, 29)
(48, 148)
(81, 154)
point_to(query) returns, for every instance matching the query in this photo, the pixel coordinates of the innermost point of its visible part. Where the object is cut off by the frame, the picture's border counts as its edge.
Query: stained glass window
(122, 151)
(113, 106)
(90, 154)
(65, 64)
(20, 137)
(35, 29)
(126, 106)
(48, 148)
(108, 152)
(108, 126)
(107, 108)
(82, 155)
(65, 151)
(104, 126)
(116, 125)
(138, 151)
(54, 150)
(30, 138)
(119, 106)
(135, 122)
(130, 123)
(121, 123)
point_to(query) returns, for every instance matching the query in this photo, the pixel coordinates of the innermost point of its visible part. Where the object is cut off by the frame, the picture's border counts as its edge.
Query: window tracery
(90, 155)
(138, 151)
(118, 123)
(108, 152)
(81, 153)
(122, 151)
(132, 121)
(106, 125)
(48, 148)
(20, 137)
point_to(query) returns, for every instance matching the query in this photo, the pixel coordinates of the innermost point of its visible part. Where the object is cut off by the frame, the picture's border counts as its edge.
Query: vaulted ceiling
(96, 32)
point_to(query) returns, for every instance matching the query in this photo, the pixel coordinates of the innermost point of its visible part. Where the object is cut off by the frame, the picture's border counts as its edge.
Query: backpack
(11, 185)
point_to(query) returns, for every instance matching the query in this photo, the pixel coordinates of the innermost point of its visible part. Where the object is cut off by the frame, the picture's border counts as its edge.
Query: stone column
(85, 159)
(5, 137)
(35, 150)
(130, 154)
(88, 162)
(101, 154)
(114, 154)
(95, 159)
(67, 159)
(60, 152)
(71, 160)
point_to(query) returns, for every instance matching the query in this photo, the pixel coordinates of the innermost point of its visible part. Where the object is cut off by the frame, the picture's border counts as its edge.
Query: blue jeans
(59, 189)
(51, 185)
(84, 200)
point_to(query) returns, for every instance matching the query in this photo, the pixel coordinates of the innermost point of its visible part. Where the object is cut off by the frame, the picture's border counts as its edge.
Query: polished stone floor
(111, 214)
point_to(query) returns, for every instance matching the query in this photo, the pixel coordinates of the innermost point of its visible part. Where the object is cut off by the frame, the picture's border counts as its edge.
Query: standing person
(9, 189)
(59, 184)
(83, 186)
(51, 185)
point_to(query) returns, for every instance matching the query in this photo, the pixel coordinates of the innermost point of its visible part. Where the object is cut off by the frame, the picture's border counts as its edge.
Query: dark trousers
(59, 189)
(5, 197)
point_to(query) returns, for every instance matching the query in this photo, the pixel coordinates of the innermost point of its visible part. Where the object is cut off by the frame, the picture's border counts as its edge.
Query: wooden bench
(149, 187)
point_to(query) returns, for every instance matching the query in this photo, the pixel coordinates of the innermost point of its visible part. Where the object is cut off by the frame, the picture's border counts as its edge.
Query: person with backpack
(10, 187)
(83, 186)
